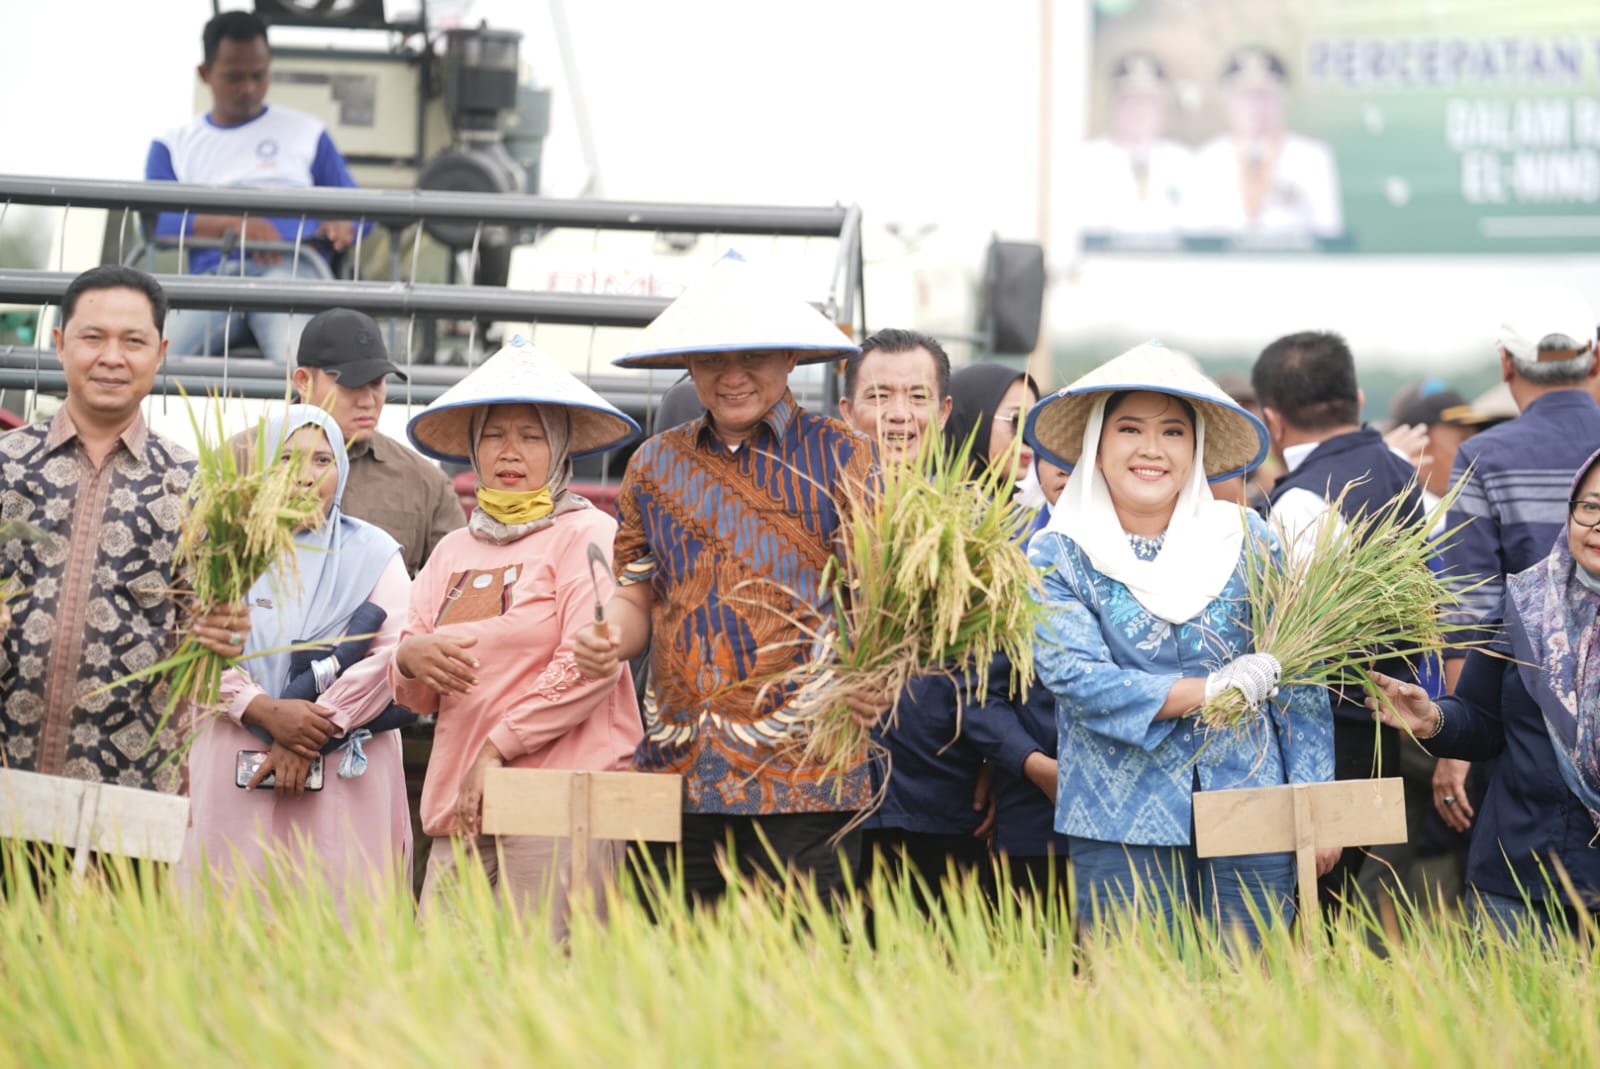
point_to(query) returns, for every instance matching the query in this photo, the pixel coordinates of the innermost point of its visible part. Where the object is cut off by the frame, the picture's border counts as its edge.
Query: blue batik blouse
(1123, 775)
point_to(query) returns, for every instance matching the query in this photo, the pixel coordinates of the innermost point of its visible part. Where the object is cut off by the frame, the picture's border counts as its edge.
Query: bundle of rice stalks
(243, 512)
(930, 579)
(1348, 595)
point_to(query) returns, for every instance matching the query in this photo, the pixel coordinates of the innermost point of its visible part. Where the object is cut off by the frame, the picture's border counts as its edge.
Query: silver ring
(235, 639)
(1449, 799)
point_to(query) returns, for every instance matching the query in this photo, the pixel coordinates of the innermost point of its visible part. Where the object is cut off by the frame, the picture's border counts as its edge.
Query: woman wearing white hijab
(1145, 584)
(355, 827)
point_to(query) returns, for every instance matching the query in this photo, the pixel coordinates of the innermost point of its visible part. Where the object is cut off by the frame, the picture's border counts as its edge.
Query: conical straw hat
(518, 374)
(1236, 441)
(732, 308)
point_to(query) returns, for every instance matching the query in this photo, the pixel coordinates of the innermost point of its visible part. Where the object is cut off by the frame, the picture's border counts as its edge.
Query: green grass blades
(1345, 596)
(930, 578)
(130, 973)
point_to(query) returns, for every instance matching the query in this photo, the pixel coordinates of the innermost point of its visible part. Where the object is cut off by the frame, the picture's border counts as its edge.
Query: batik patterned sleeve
(631, 557)
(1304, 722)
(1073, 659)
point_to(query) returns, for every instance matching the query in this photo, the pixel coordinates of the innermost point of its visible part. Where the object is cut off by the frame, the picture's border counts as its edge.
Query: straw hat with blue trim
(733, 309)
(1236, 441)
(518, 374)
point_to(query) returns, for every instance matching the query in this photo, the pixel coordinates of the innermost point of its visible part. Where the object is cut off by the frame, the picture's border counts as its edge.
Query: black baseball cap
(1432, 401)
(348, 345)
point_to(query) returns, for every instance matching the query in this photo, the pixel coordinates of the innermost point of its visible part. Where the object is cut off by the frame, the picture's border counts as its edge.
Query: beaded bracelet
(1438, 721)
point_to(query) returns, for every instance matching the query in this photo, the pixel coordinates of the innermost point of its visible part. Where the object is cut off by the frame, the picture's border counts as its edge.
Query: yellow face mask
(516, 506)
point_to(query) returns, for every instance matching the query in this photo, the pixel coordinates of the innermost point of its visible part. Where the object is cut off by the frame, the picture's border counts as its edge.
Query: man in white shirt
(242, 141)
(1306, 385)
(1260, 180)
(1132, 181)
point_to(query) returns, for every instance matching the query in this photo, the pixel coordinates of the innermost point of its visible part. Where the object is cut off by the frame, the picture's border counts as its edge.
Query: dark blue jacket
(1024, 821)
(932, 771)
(1362, 461)
(1528, 817)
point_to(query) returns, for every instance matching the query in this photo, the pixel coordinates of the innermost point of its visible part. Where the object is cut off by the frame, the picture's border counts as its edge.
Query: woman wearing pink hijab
(488, 640)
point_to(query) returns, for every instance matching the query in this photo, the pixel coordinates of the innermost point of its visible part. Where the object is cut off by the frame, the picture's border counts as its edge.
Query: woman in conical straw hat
(1145, 576)
(488, 642)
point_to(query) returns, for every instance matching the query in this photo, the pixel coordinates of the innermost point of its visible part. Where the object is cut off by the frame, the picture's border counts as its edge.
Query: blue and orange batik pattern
(734, 543)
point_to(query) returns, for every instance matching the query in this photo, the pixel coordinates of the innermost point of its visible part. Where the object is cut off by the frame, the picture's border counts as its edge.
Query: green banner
(1359, 126)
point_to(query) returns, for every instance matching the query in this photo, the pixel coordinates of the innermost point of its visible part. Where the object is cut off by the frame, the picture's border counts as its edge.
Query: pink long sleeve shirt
(524, 602)
(359, 828)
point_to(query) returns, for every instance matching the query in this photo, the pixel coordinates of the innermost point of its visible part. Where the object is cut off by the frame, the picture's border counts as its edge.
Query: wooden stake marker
(582, 806)
(1302, 818)
(92, 817)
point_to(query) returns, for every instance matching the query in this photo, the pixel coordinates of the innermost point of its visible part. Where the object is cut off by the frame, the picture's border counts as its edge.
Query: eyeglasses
(1014, 421)
(1584, 513)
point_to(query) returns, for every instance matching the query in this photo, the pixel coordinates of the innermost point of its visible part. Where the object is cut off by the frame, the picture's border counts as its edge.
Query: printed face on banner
(1342, 126)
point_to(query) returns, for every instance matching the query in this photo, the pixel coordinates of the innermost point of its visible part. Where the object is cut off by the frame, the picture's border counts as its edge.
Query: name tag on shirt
(476, 594)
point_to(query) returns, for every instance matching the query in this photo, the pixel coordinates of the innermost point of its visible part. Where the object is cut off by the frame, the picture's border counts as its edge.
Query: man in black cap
(1447, 419)
(343, 367)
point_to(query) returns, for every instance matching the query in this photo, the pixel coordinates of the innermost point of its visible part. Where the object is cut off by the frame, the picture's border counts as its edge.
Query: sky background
(917, 118)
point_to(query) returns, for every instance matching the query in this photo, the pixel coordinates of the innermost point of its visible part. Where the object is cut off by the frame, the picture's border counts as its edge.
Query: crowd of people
(725, 525)
(1143, 488)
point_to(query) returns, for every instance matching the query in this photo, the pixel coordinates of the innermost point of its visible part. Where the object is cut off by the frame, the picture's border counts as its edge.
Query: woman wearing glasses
(991, 400)
(1539, 713)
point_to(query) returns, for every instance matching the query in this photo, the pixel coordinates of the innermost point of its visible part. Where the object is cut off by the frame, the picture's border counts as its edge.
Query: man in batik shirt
(107, 493)
(727, 523)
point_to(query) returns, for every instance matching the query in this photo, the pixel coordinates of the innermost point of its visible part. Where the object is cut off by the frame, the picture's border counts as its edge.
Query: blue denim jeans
(1115, 879)
(203, 332)
(1515, 918)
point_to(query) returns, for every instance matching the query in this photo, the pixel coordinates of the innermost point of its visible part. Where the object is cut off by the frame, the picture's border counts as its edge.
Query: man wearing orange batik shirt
(727, 522)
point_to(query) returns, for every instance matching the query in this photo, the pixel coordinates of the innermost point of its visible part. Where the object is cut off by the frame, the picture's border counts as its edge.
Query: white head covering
(1203, 539)
(1030, 491)
(339, 563)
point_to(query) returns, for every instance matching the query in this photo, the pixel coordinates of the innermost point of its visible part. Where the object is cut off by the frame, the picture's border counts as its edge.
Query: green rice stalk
(127, 970)
(1361, 592)
(929, 578)
(242, 515)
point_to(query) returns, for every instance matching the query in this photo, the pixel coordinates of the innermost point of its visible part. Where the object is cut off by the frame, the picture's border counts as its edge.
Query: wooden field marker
(581, 806)
(1302, 818)
(98, 818)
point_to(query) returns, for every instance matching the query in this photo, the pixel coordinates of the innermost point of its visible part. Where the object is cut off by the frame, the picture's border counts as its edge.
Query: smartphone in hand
(249, 760)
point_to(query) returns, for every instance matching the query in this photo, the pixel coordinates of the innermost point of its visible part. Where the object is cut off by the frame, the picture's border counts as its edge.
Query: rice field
(124, 972)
